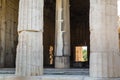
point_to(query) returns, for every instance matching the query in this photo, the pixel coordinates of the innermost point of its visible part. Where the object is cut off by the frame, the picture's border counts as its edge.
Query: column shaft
(104, 56)
(29, 60)
(2, 34)
(62, 34)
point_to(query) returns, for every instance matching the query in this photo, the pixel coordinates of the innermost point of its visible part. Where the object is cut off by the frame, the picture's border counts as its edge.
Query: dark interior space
(80, 35)
(49, 32)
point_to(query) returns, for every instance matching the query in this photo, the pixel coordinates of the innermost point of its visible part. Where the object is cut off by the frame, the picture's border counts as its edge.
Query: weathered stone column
(2, 33)
(29, 60)
(104, 56)
(62, 35)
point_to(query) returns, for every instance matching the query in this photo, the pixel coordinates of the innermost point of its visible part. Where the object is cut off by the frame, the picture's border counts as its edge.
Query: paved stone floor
(51, 71)
(52, 74)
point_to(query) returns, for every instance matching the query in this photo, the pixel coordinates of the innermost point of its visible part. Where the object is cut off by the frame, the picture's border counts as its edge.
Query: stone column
(29, 60)
(2, 33)
(62, 35)
(104, 42)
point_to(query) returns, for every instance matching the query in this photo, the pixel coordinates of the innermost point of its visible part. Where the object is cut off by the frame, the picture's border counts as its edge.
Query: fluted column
(62, 35)
(29, 60)
(104, 42)
(2, 33)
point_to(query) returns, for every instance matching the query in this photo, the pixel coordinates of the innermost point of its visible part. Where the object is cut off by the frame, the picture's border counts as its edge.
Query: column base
(105, 64)
(62, 62)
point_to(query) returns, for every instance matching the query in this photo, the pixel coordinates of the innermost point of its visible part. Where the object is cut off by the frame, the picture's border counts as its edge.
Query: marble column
(104, 42)
(62, 35)
(29, 61)
(2, 33)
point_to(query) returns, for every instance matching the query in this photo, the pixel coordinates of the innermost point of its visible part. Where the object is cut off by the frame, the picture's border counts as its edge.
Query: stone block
(62, 62)
(29, 54)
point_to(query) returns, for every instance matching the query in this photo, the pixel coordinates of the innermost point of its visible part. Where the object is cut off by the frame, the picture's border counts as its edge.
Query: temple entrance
(80, 35)
(79, 22)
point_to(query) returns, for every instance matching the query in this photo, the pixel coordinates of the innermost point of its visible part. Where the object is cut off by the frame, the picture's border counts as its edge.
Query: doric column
(29, 60)
(2, 33)
(62, 35)
(104, 44)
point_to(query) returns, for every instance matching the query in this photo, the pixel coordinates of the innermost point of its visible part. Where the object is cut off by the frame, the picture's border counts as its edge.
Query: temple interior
(59, 39)
(79, 33)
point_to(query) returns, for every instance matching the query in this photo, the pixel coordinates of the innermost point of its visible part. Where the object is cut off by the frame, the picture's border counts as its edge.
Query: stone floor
(50, 71)
(52, 74)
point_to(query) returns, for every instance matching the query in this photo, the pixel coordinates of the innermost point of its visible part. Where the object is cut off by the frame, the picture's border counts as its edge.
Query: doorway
(80, 34)
(49, 33)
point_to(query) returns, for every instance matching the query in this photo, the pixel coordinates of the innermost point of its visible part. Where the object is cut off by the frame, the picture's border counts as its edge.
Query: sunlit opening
(81, 53)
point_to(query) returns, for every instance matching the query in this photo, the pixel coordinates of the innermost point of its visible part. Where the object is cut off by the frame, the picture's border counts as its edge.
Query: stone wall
(1, 34)
(9, 21)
